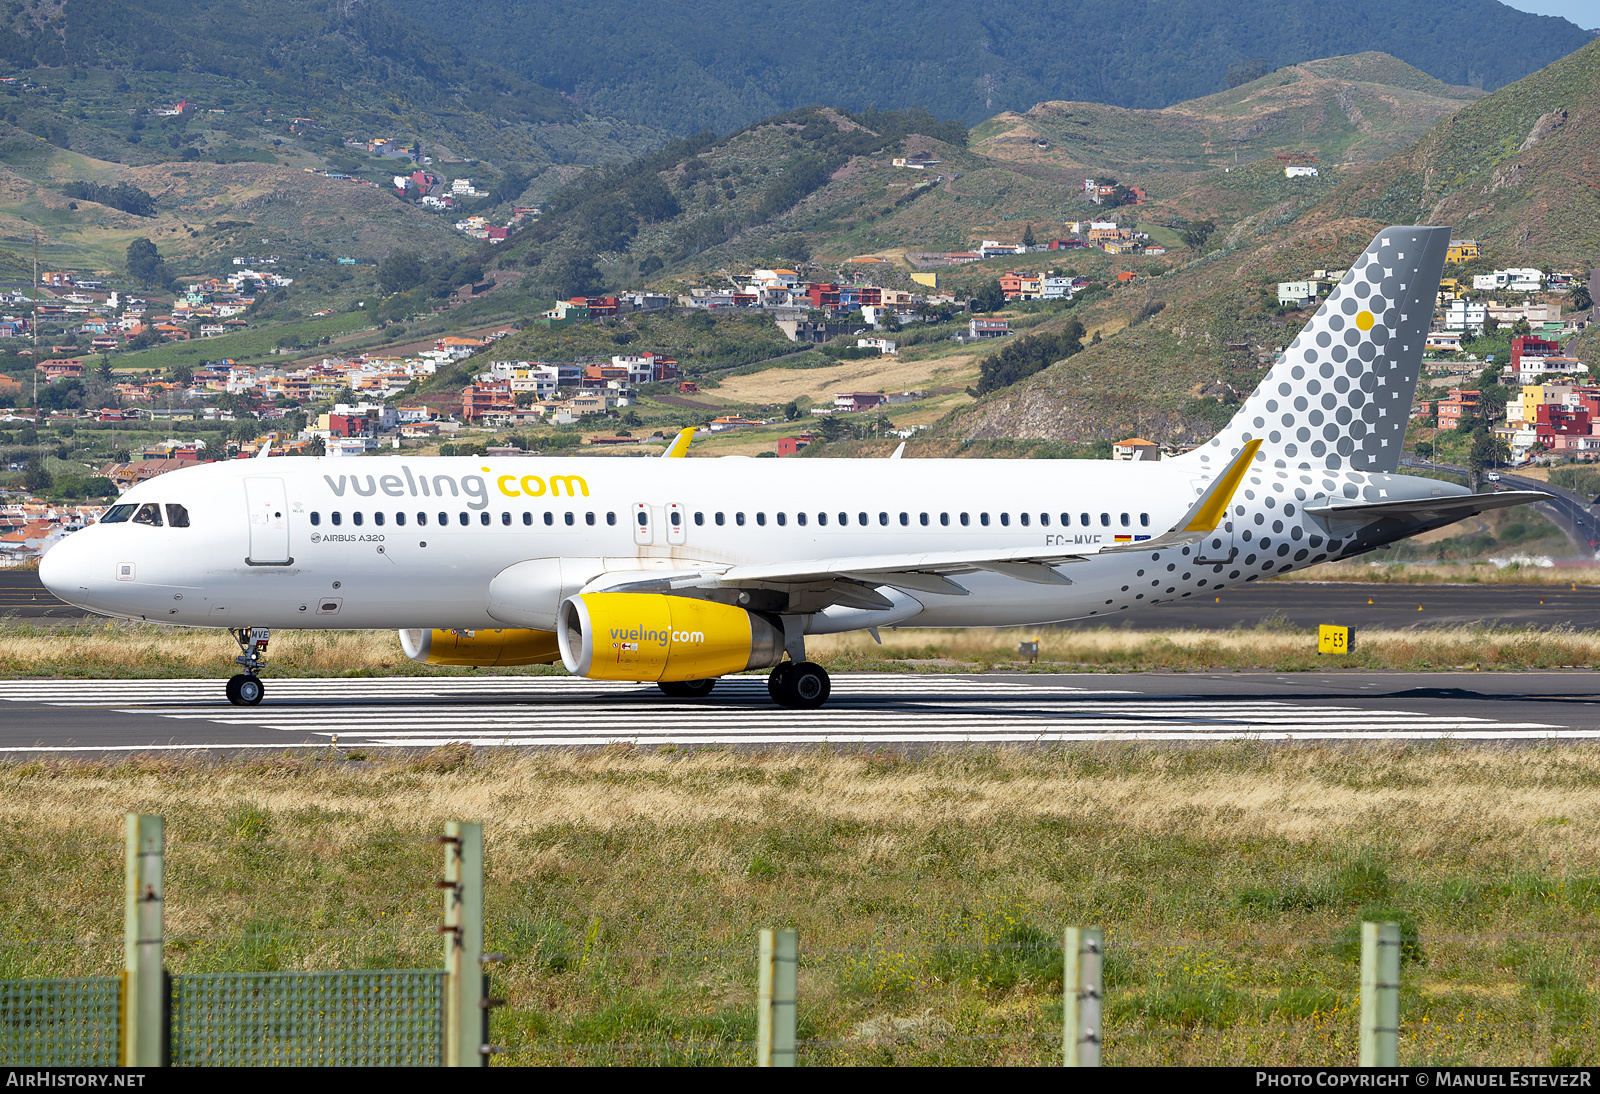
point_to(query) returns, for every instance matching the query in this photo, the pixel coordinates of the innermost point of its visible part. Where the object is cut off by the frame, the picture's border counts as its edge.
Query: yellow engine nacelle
(650, 636)
(481, 648)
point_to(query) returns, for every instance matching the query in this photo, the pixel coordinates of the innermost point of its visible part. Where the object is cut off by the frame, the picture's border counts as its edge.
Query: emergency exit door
(269, 522)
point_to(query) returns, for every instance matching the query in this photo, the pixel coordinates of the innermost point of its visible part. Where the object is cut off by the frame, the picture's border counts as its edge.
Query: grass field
(929, 889)
(143, 650)
(244, 344)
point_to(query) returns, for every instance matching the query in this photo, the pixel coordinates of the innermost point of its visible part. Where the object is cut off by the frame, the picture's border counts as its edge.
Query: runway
(112, 717)
(1299, 604)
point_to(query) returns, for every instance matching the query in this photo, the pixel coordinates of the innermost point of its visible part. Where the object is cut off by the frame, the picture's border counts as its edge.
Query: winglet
(679, 447)
(1212, 506)
(897, 453)
(1209, 509)
(265, 450)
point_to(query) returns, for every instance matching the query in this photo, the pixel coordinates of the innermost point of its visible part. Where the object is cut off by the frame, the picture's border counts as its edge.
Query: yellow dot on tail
(1364, 320)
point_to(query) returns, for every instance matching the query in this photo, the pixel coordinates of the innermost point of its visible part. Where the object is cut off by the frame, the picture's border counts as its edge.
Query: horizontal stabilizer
(1448, 507)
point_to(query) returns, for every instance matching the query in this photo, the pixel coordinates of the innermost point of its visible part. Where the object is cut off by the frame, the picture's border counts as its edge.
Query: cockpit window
(118, 513)
(177, 516)
(149, 513)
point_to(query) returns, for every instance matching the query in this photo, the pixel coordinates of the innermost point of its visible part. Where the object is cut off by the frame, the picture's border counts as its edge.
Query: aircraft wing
(1448, 507)
(849, 579)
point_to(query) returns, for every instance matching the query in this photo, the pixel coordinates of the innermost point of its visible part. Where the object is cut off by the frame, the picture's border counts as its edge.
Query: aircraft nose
(64, 569)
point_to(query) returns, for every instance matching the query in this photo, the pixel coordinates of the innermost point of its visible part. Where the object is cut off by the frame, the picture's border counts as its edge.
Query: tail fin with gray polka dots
(1340, 396)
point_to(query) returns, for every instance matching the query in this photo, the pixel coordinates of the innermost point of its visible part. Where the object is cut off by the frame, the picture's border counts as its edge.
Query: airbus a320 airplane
(679, 571)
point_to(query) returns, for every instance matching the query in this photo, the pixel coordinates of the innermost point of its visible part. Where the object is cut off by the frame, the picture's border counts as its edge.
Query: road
(1569, 510)
(118, 717)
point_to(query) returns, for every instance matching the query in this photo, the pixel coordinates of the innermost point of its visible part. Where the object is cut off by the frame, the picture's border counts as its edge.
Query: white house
(1516, 279)
(1297, 172)
(1465, 315)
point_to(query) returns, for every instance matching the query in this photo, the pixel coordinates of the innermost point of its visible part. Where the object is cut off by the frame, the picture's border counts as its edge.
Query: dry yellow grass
(929, 890)
(120, 650)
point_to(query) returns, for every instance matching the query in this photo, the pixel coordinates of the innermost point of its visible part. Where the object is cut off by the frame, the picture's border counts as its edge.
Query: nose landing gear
(245, 689)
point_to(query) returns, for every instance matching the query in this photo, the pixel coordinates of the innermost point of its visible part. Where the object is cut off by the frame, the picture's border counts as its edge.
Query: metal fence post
(1380, 994)
(1081, 987)
(144, 987)
(463, 945)
(778, 967)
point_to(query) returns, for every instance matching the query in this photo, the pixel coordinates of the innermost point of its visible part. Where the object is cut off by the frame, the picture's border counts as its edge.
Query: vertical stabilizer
(1340, 396)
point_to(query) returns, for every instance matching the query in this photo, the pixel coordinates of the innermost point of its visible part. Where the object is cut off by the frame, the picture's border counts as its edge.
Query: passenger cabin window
(1144, 520)
(905, 519)
(465, 520)
(337, 517)
(117, 514)
(699, 519)
(1105, 520)
(861, 519)
(316, 518)
(377, 518)
(149, 513)
(800, 519)
(1124, 520)
(611, 518)
(588, 518)
(924, 519)
(444, 520)
(965, 520)
(1044, 519)
(483, 518)
(720, 520)
(527, 517)
(568, 518)
(422, 520)
(1083, 519)
(356, 518)
(783, 519)
(883, 520)
(822, 519)
(1023, 517)
(400, 519)
(738, 518)
(761, 519)
(505, 518)
(944, 519)
(983, 519)
(549, 518)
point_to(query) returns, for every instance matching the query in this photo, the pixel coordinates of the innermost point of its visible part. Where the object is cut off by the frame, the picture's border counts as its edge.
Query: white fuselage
(403, 542)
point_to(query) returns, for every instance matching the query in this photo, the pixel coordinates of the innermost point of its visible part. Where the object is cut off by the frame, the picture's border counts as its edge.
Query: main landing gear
(801, 685)
(245, 689)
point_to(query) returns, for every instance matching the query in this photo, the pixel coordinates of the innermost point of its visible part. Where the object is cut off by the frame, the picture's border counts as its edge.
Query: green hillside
(1339, 110)
(720, 63)
(1514, 170)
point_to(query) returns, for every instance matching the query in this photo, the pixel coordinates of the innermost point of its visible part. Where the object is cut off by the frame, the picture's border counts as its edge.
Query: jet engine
(486, 648)
(651, 636)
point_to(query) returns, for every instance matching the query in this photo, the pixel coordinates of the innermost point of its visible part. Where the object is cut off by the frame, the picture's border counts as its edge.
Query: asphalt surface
(1296, 604)
(107, 718)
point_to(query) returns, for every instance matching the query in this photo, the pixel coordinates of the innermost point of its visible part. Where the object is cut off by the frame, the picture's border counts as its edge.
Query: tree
(791, 412)
(103, 369)
(1195, 233)
(1424, 450)
(1581, 300)
(1027, 236)
(1491, 326)
(1522, 326)
(1028, 355)
(401, 272)
(183, 374)
(1486, 450)
(989, 297)
(36, 479)
(146, 266)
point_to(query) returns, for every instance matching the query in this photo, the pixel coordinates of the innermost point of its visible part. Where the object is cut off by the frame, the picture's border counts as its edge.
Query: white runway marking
(401, 712)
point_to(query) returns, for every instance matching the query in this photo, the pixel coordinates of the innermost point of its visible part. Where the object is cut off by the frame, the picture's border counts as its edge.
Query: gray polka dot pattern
(1340, 396)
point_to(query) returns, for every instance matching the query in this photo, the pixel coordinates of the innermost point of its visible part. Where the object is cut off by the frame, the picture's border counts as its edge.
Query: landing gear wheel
(687, 689)
(245, 690)
(775, 681)
(804, 686)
